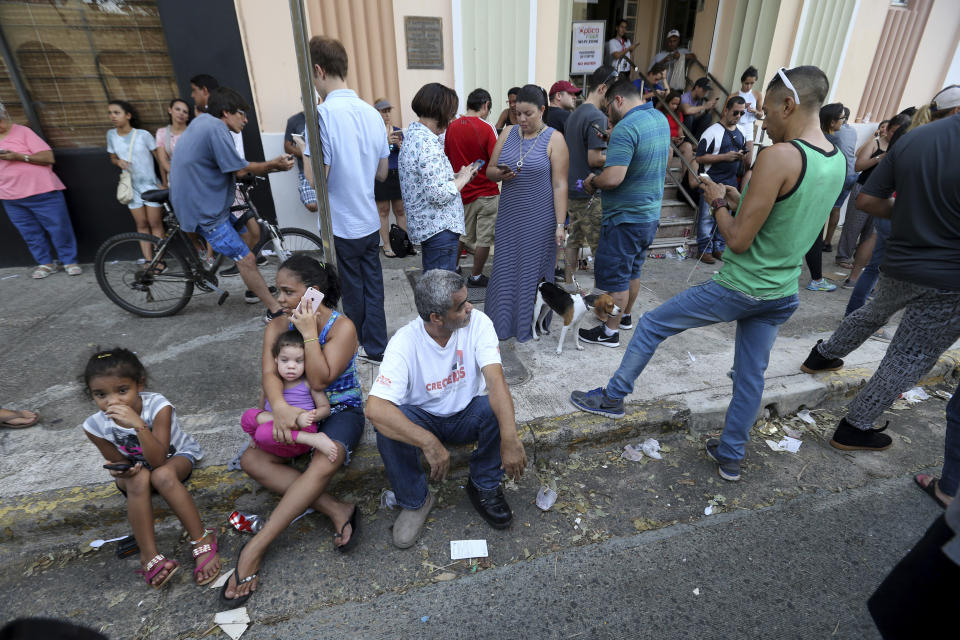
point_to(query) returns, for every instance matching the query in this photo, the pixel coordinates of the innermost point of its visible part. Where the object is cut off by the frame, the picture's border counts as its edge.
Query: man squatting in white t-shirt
(430, 391)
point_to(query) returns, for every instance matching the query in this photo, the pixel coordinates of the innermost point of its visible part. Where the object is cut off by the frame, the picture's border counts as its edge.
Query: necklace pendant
(519, 164)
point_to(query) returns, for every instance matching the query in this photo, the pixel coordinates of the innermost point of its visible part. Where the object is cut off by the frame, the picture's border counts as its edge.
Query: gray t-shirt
(846, 140)
(580, 137)
(922, 169)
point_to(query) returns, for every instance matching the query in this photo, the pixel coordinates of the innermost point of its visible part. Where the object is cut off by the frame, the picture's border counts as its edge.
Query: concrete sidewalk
(205, 360)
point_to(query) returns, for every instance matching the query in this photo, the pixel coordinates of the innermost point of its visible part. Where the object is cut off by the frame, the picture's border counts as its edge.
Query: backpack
(400, 242)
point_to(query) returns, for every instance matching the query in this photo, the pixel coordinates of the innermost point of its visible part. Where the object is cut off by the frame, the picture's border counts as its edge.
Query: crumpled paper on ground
(916, 394)
(233, 622)
(786, 444)
(546, 497)
(649, 446)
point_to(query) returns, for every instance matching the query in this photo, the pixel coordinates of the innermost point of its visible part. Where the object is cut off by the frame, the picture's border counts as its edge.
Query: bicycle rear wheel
(131, 285)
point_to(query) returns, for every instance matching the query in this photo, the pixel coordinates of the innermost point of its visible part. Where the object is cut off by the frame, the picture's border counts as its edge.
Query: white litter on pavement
(545, 498)
(789, 444)
(696, 591)
(652, 448)
(15, 275)
(692, 359)
(461, 549)
(388, 500)
(221, 579)
(632, 454)
(233, 622)
(915, 395)
(708, 510)
(806, 417)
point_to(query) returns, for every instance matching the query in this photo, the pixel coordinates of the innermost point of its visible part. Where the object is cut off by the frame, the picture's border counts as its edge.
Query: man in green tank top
(794, 183)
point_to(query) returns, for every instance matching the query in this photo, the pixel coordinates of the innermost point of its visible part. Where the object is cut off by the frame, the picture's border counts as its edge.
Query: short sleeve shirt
(640, 142)
(615, 45)
(688, 99)
(353, 141)
(126, 440)
(141, 160)
(201, 174)
(580, 138)
(296, 124)
(557, 118)
(23, 179)
(468, 139)
(430, 198)
(923, 171)
(717, 140)
(440, 380)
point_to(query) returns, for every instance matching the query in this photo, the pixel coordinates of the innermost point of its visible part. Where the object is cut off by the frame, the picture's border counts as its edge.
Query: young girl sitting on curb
(139, 436)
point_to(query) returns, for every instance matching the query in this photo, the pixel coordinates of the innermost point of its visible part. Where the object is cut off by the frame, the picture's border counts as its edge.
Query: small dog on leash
(570, 307)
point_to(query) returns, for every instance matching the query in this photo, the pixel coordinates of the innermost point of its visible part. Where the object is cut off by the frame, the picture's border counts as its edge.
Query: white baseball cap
(946, 99)
(672, 33)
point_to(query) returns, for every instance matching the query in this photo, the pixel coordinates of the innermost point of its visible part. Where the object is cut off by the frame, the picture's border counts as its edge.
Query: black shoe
(626, 322)
(597, 335)
(269, 316)
(827, 248)
(490, 504)
(231, 271)
(849, 438)
(815, 363)
(480, 281)
(261, 260)
(251, 298)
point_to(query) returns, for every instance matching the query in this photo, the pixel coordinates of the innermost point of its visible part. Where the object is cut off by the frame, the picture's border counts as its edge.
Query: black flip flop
(353, 532)
(240, 601)
(930, 489)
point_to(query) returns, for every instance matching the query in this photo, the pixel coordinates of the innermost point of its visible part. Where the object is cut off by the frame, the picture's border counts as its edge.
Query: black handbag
(400, 242)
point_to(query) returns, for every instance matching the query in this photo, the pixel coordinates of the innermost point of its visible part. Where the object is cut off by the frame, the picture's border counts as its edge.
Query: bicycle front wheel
(127, 280)
(291, 242)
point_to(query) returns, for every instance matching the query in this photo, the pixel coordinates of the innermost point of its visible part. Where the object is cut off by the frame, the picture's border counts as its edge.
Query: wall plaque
(424, 37)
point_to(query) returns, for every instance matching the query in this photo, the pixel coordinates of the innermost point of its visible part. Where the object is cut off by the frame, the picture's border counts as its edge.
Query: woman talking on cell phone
(431, 190)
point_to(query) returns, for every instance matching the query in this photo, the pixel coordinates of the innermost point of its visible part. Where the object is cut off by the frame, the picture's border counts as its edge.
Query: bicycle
(163, 285)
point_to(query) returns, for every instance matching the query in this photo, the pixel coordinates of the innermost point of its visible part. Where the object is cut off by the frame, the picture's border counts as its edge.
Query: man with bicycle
(202, 178)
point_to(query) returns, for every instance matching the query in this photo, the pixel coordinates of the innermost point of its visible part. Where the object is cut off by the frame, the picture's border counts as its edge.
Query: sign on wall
(424, 37)
(586, 47)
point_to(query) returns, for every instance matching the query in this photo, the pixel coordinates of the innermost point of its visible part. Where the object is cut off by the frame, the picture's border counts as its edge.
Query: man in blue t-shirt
(632, 186)
(203, 171)
(722, 150)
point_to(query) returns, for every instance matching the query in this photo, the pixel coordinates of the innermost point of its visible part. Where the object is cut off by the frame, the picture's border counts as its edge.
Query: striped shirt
(640, 142)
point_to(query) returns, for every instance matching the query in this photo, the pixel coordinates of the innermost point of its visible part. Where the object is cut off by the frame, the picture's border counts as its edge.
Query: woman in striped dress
(531, 159)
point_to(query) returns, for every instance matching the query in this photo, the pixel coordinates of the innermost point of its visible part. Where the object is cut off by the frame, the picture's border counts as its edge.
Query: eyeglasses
(241, 113)
(736, 113)
(788, 84)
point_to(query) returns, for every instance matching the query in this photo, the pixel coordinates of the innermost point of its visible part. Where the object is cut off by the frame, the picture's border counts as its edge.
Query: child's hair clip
(101, 356)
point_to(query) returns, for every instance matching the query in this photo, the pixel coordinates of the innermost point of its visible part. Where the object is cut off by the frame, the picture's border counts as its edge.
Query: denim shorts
(225, 240)
(345, 427)
(621, 252)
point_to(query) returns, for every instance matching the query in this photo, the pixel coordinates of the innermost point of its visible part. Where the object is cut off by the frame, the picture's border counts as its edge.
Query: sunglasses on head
(611, 78)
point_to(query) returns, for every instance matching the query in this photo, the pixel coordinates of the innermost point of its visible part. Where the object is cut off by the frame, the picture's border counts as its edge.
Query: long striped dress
(525, 249)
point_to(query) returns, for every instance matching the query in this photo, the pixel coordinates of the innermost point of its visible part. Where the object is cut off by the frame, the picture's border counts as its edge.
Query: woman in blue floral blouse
(431, 190)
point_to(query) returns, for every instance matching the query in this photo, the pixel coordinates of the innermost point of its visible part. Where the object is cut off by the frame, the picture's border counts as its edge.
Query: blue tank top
(344, 392)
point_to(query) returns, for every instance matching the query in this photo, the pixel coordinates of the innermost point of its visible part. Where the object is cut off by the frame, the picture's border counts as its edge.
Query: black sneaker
(815, 363)
(480, 281)
(269, 316)
(626, 322)
(597, 335)
(231, 271)
(490, 504)
(848, 438)
(727, 469)
(251, 298)
(597, 401)
(827, 247)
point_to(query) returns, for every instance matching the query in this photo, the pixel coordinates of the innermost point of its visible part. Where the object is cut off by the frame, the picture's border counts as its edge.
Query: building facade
(62, 61)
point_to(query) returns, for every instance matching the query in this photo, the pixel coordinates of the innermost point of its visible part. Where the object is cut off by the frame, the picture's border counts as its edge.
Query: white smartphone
(314, 296)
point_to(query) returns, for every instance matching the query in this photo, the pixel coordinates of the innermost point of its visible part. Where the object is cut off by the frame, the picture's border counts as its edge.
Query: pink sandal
(155, 566)
(210, 548)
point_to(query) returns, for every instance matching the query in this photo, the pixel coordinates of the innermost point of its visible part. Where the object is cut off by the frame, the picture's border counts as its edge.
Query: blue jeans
(709, 303)
(475, 423)
(358, 260)
(950, 476)
(439, 251)
(708, 235)
(38, 216)
(871, 272)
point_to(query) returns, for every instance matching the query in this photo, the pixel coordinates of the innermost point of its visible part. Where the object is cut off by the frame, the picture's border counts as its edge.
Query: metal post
(19, 86)
(301, 42)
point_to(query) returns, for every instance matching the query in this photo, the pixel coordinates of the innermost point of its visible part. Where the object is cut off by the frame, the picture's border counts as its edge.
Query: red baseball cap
(563, 85)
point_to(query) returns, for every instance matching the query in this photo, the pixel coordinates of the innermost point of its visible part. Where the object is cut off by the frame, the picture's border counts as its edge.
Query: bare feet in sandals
(206, 558)
(157, 569)
(342, 523)
(931, 486)
(17, 419)
(248, 564)
(321, 442)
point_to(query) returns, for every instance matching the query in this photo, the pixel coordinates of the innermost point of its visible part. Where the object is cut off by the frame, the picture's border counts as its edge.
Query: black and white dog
(569, 306)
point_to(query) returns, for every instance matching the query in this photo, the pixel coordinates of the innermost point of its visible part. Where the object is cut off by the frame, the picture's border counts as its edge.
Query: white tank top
(747, 119)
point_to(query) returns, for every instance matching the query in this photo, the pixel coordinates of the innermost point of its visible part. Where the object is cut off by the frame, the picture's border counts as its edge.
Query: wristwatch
(717, 203)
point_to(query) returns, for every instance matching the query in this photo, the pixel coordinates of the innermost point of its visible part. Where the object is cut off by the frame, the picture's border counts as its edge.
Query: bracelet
(306, 340)
(560, 224)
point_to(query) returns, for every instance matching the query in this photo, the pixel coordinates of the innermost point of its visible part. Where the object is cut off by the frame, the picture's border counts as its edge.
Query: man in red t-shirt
(470, 138)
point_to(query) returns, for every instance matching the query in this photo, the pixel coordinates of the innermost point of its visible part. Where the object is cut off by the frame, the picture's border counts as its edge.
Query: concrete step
(669, 242)
(681, 227)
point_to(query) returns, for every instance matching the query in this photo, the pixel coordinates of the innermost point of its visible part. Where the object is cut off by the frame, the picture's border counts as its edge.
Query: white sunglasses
(788, 84)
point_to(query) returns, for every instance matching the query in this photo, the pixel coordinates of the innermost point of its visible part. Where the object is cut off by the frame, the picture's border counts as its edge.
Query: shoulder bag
(125, 187)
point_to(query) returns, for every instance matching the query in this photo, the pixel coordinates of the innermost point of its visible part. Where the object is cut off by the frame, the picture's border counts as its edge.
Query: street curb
(216, 490)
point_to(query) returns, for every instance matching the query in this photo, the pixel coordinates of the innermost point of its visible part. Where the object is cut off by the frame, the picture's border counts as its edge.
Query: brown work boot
(718, 255)
(707, 258)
